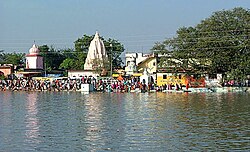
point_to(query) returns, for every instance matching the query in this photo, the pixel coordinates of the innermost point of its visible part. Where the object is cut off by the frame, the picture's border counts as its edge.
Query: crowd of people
(73, 84)
(100, 84)
(126, 85)
(22, 84)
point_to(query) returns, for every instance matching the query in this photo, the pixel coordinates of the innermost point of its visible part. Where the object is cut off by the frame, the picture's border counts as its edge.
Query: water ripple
(72, 121)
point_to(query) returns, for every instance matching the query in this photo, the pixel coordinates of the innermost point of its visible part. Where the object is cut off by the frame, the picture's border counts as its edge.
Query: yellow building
(180, 78)
(169, 78)
(150, 64)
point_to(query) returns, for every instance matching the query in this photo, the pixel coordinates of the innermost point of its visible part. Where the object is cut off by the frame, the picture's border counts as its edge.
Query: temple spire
(96, 51)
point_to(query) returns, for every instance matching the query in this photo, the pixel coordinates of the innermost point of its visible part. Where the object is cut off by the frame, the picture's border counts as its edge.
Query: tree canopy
(52, 57)
(114, 50)
(12, 58)
(218, 44)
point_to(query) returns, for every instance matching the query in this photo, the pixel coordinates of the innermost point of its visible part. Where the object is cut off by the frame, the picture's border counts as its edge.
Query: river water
(72, 121)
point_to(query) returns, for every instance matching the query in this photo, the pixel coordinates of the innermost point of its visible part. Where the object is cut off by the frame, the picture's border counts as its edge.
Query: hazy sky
(137, 24)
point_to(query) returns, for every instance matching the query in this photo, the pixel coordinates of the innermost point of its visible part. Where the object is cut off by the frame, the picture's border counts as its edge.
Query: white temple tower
(96, 51)
(34, 60)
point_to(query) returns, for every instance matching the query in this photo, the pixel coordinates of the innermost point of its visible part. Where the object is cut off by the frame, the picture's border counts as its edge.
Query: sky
(137, 24)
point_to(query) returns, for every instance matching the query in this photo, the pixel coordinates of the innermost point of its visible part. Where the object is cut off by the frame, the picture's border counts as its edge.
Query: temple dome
(34, 49)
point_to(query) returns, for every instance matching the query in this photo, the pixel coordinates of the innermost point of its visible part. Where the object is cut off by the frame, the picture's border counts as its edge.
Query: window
(128, 63)
(164, 76)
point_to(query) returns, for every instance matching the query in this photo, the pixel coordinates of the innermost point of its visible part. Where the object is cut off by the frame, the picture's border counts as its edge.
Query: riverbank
(92, 85)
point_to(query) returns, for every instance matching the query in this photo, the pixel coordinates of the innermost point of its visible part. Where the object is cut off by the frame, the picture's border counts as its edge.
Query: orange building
(6, 69)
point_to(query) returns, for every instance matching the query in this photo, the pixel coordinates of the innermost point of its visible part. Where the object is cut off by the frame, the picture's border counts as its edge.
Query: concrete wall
(79, 73)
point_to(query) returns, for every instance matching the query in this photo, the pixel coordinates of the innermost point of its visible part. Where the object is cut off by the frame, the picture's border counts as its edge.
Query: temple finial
(97, 34)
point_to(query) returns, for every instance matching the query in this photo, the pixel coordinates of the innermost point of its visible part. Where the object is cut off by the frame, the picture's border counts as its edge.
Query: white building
(133, 60)
(34, 60)
(81, 73)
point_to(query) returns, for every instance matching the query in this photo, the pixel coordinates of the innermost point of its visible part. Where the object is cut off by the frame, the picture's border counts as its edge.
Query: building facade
(137, 62)
(34, 60)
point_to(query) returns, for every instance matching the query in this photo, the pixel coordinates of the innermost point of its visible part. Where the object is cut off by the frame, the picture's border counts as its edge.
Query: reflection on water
(93, 117)
(32, 121)
(71, 121)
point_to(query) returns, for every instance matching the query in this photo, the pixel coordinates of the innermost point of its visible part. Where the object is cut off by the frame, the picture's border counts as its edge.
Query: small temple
(34, 63)
(96, 51)
(34, 60)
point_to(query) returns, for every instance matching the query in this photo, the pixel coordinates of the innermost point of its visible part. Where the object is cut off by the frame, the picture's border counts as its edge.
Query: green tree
(178, 52)
(52, 57)
(12, 58)
(114, 50)
(68, 64)
(219, 44)
(100, 66)
(82, 44)
(70, 59)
